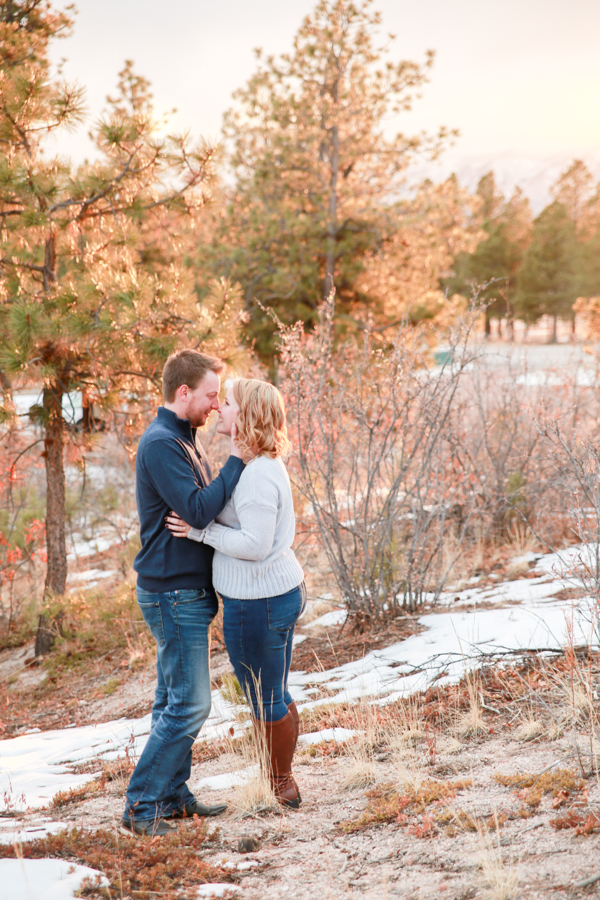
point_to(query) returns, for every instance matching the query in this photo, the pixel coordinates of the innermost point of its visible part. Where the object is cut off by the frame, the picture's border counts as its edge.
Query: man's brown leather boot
(281, 743)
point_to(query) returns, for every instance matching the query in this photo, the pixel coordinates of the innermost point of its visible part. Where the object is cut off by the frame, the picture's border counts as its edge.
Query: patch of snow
(335, 617)
(451, 645)
(71, 404)
(11, 830)
(298, 638)
(562, 563)
(522, 590)
(240, 866)
(227, 779)
(528, 557)
(581, 378)
(91, 574)
(310, 604)
(43, 879)
(82, 547)
(34, 767)
(217, 890)
(339, 735)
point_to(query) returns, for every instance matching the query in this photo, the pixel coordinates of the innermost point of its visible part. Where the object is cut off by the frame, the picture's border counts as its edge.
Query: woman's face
(228, 413)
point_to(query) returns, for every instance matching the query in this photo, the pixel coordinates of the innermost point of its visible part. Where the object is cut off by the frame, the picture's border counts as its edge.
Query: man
(174, 588)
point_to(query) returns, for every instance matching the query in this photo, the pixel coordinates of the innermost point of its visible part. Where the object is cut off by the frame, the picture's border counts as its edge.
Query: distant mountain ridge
(535, 175)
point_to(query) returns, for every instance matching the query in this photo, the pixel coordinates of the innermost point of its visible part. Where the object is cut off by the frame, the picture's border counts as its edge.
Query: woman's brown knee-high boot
(293, 710)
(281, 743)
(296, 719)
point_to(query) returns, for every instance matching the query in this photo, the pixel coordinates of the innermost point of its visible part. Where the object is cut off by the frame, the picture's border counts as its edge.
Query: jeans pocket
(153, 618)
(189, 595)
(284, 611)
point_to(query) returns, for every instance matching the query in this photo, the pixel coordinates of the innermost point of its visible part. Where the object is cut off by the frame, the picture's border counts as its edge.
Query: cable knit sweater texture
(253, 535)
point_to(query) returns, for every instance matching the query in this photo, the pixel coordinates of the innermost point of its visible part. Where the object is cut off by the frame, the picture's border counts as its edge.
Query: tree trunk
(333, 196)
(488, 324)
(87, 415)
(56, 574)
(554, 330)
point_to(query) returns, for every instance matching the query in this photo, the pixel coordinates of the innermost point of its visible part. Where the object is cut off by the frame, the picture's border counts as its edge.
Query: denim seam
(182, 668)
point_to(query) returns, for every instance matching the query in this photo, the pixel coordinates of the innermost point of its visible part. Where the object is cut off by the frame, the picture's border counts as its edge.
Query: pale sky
(516, 77)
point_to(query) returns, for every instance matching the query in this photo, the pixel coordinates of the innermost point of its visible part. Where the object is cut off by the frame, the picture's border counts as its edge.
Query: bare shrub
(378, 458)
(500, 443)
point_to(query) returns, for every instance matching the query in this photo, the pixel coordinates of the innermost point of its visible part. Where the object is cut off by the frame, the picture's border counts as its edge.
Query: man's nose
(215, 404)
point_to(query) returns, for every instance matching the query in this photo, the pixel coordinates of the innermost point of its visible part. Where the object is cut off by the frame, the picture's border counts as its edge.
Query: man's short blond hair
(262, 426)
(187, 367)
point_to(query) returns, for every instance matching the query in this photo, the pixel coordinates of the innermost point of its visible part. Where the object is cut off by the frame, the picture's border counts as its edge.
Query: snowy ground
(42, 879)
(37, 765)
(518, 615)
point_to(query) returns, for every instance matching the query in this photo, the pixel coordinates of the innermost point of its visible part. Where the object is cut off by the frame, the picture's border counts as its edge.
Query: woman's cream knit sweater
(253, 535)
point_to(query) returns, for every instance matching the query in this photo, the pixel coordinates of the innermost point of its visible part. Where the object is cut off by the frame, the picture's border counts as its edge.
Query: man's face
(200, 402)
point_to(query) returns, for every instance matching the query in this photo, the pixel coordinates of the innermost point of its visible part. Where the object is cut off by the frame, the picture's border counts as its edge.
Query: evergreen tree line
(537, 268)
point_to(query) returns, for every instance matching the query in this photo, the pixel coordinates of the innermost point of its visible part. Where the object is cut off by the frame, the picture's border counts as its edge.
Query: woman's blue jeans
(258, 636)
(179, 622)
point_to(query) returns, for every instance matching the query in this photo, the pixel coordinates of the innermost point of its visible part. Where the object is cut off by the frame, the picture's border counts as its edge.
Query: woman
(256, 573)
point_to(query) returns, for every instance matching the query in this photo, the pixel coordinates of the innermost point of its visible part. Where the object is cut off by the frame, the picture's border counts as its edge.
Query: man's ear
(183, 391)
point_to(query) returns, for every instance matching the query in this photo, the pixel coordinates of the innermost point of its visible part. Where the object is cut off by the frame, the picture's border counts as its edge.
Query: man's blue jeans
(179, 622)
(258, 636)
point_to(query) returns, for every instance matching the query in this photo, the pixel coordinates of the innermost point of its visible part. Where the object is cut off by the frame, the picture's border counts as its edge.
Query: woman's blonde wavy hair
(262, 428)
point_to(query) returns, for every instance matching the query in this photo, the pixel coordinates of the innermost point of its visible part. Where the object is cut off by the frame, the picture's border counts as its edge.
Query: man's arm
(174, 479)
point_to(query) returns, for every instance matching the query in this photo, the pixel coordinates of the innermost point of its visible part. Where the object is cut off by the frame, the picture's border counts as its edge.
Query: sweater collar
(174, 423)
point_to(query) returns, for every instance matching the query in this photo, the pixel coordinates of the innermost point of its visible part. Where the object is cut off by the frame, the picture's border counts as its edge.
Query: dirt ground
(477, 837)
(306, 854)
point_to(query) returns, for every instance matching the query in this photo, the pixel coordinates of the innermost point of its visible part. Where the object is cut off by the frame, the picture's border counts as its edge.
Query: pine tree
(494, 263)
(93, 296)
(314, 167)
(547, 280)
(575, 190)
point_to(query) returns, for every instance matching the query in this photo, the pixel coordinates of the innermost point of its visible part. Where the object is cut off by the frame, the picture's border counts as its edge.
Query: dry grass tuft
(371, 736)
(255, 794)
(231, 690)
(450, 746)
(529, 729)
(471, 722)
(578, 705)
(361, 773)
(410, 728)
(498, 880)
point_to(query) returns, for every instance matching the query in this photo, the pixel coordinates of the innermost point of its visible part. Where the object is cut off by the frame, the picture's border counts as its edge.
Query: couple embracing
(233, 535)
